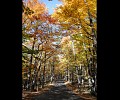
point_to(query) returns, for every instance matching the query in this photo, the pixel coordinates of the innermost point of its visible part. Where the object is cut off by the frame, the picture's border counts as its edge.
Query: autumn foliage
(62, 43)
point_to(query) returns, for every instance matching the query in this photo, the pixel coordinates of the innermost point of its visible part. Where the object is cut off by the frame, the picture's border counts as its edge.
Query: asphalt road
(58, 92)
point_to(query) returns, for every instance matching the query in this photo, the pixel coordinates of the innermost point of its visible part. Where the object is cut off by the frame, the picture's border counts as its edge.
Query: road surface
(58, 92)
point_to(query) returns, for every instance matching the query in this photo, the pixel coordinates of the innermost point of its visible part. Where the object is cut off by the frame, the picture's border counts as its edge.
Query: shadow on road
(58, 92)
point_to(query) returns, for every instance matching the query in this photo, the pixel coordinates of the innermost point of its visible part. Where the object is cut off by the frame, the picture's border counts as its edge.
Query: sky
(51, 4)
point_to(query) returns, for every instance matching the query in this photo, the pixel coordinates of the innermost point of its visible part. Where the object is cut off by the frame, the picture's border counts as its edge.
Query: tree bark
(31, 59)
(43, 80)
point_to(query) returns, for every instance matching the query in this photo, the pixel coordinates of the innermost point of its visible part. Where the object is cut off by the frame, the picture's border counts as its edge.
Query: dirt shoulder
(83, 96)
(27, 95)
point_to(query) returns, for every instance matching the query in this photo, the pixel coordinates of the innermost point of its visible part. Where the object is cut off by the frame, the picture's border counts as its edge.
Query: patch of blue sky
(51, 4)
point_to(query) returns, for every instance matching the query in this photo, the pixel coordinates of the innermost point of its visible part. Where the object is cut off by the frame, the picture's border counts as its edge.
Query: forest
(62, 45)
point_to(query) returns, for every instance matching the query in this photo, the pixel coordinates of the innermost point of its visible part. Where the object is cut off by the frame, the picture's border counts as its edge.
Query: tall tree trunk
(53, 71)
(67, 74)
(35, 74)
(31, 59)
(43, 80)
(38, 71)
(72, 76)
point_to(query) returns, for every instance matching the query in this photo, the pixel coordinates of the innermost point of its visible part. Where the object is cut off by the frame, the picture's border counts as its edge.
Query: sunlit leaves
(64, 39)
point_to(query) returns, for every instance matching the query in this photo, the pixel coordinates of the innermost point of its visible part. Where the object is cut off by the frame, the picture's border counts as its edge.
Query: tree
(78, 19)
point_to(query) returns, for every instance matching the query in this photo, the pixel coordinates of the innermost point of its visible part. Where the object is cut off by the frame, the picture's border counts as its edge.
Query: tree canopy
(61, 43)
